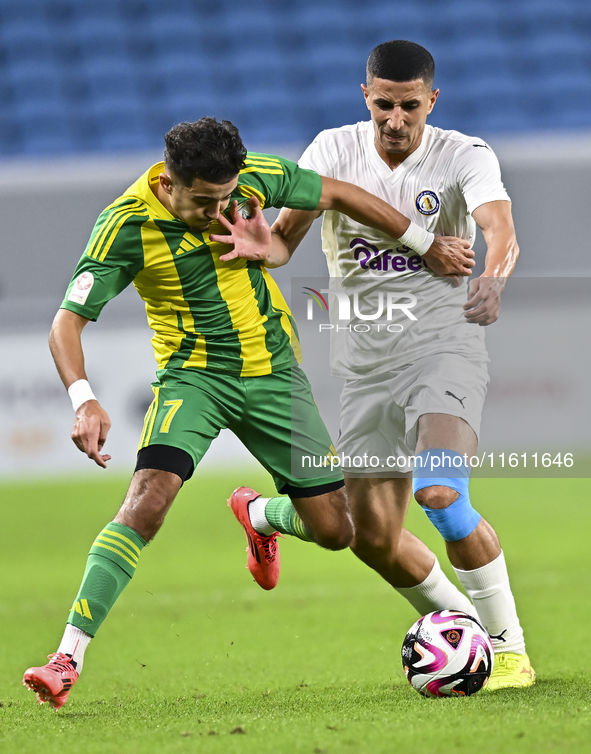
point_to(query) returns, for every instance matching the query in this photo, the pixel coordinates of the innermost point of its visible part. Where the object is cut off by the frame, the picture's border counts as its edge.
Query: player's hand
(250, 238)
(90, 430)
(450, 256)
(484, 300)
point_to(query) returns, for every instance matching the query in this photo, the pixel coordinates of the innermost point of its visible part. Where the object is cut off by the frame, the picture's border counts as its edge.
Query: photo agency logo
(359, 312)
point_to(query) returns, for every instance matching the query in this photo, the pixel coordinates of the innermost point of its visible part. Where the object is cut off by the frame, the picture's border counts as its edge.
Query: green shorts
(274, 416)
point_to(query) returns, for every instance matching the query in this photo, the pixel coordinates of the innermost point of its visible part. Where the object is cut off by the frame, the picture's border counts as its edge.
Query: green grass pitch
(196, 658)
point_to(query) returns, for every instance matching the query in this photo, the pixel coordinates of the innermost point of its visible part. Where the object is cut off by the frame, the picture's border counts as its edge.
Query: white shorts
(379, 414)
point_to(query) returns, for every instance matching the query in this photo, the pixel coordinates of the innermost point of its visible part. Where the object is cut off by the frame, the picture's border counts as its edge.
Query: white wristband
(80, 392)
(417, 238)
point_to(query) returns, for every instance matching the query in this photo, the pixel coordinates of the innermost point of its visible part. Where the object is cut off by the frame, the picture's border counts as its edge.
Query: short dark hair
(207, 149)
(399, 60)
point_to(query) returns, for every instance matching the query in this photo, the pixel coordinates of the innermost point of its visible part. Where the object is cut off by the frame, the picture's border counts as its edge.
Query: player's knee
(445, 497)
(372, 539)
(145, 522)
(147, 502)
(437, 496)
(336, 534)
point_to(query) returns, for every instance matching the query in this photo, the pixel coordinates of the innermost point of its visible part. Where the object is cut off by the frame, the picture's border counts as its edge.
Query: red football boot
(52, 682)
(263, 552)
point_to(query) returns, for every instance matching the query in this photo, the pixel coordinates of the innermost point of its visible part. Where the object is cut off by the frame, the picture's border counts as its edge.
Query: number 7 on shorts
(174, 407)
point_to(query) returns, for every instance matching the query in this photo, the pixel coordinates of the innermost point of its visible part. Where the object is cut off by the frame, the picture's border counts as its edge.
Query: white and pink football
(447, 653)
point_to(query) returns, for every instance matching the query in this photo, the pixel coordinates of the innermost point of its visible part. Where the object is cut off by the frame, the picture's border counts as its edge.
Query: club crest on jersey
(427, 202)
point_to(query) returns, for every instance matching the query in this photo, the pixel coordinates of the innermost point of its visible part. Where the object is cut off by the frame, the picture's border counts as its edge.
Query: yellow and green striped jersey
(205, 314)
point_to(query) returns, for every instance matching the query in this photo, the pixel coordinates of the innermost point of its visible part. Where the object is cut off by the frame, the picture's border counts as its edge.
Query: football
(447, 653)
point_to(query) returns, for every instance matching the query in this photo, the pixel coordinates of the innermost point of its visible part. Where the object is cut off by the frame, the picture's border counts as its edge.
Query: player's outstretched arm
(92, 423)
(252, 238)
(484, 303)
(445, 255)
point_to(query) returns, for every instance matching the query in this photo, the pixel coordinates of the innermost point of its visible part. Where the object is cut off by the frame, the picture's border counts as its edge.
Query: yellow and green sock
(277, 514)
(111, 563)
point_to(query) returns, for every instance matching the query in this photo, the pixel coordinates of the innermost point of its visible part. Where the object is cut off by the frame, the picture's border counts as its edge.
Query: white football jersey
(416, 313)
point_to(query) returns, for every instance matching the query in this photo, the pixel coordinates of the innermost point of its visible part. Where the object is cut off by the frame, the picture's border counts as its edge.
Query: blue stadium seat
(175, 33)
(481, 106)
(106, 76)
(451, 109)
(470, 16)
(10, 135)
(182, 8)
(100, 38)
(262, 69)
(88, 11)
(34, 79)
(22, 10)
(51, 135)
(120, 124)
(150, 83)
(471, 58)
(327, 65)
(323, 23)
(36, 110)
(180, 74)
(337, 105)
(545, 54)
(546, 103)
(284, 70)
(531, 17)
(249, 32)
(26, 40)
(190, 106)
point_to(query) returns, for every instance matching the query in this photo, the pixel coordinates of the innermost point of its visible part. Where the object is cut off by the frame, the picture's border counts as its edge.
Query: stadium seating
(79, 75)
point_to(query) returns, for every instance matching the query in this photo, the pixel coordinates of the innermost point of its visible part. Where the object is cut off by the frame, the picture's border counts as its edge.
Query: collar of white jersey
(384, 170)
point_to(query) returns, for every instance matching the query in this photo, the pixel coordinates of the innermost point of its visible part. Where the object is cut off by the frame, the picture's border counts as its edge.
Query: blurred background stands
(80, 76)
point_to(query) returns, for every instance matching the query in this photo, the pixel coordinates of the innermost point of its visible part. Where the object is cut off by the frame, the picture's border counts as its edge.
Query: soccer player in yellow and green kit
(226, 348)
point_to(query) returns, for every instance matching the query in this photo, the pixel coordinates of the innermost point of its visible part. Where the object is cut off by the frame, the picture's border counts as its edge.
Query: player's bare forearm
(66, 347)
(501, 255)
(484, 303)
(280, 253)
(92, 422)
(361, 206)
(496, 222)
(287, 233)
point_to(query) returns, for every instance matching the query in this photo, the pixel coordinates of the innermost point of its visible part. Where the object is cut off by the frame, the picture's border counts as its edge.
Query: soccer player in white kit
(417, 388)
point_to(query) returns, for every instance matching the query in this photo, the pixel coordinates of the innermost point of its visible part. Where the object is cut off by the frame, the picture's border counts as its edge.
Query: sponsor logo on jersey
(387, 260)
(427, 202)
(81, 288)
